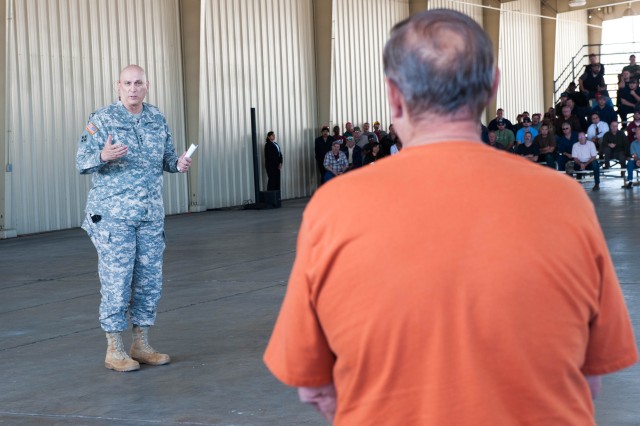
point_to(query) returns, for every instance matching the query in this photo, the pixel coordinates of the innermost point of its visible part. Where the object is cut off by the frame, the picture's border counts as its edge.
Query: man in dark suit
(272, 162)
(322, 146)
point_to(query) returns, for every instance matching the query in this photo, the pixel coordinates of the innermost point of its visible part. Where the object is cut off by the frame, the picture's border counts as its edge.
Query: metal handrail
(580, 59)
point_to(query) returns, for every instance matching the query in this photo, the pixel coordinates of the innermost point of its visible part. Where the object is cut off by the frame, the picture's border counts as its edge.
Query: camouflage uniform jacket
(129, 187)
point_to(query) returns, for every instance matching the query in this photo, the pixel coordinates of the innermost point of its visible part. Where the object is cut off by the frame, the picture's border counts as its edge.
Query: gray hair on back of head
(442, 62)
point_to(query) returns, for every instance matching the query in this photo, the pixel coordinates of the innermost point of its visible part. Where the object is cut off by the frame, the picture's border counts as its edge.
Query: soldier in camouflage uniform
(126, 146)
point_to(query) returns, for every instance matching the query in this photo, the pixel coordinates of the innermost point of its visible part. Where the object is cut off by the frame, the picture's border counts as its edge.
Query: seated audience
(629, 97)
(631, 127)
(568, 117)
(335, 162)
(361, 140)
(632, 68)
(564, 144)
(536, 122)
(593, 60)
(585, 157)
(322, 146)
(366, 131)
(493, 124)
(373, 155)
(348, 129)
(353, 153)
(597, 129)
(604, 110)
(614, 145)
(379, 133)
(562, 102)
(397, 147)
(528, 149)
(578, 98)
(493, 141)
(336, 134)
(634, 161)
(388, 140)
(546, 143)
(526, 128)
(505, 136)
(592, 81)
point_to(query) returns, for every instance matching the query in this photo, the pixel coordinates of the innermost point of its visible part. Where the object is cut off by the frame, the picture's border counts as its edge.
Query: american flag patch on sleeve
(92, 129)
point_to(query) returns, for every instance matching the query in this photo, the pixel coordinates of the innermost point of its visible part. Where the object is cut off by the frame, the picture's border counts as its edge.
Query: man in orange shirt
(455, 327)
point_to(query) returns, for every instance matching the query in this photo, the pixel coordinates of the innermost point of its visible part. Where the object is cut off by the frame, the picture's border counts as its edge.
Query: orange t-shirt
(452, 284)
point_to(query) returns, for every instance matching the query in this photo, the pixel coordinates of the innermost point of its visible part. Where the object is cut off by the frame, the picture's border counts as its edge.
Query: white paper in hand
(191, 150)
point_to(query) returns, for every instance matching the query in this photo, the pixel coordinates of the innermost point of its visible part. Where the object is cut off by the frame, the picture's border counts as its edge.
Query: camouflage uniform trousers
(130, 269)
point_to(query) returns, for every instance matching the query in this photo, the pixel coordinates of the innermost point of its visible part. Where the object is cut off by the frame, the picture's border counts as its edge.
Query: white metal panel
(256, 53)
(472, 8)
(360, 30)
(64, 59)
(520, 59)
(571, 41)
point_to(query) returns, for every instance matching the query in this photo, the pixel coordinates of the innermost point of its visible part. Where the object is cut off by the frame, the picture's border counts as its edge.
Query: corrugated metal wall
(467, 7)
(256, 53)
(360, 30)
(64, 60)
(520, 58)
(571, 36)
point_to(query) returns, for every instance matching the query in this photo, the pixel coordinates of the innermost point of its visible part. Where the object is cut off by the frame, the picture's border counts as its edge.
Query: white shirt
(585, 152)
(597, 130)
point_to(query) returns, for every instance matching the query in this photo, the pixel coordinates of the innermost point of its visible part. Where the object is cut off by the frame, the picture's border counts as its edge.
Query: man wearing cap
(353, 153)
(526, 127)
(504, 136)
(322, 146)
(361, 140)
(380, 134)
(335, 162)
(493, 124)
(561, 103)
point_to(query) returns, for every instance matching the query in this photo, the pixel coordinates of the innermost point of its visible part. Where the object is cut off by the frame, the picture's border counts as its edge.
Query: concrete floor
(225, 275)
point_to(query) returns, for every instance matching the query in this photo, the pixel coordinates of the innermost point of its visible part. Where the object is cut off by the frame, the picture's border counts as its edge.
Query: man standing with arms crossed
(126, 146)
(444, 334)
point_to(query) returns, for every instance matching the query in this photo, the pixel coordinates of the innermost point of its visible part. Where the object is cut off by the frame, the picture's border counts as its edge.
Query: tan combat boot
(117, 359)
(142, 352)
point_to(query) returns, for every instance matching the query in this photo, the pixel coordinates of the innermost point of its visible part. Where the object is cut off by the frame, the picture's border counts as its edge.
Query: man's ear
(396, 101)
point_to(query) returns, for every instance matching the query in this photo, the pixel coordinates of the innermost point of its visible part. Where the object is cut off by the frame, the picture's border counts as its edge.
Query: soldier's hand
(113, 151)
(184, 163)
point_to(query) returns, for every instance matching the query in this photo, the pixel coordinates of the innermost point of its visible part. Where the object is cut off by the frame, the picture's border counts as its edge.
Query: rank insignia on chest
(91, 128)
